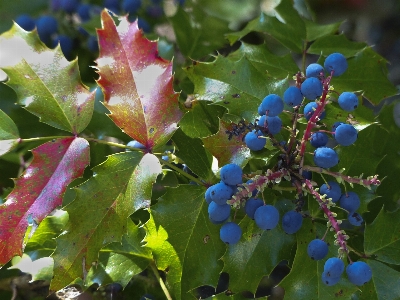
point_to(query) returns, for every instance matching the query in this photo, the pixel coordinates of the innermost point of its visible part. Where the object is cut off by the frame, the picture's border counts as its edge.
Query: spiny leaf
(335, 43)
(289, 29)
(98, 215)
(46, 83)
(118, 262)
(137, 83)
(315, 31)
(40, 190)
(195, 239)
(304, 280)
(237, 85)
(225, 150)
(255, 256)
(382, 237)
(8, 133)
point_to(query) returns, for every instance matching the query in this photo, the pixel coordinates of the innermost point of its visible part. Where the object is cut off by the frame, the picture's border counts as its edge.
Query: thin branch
(160, 281)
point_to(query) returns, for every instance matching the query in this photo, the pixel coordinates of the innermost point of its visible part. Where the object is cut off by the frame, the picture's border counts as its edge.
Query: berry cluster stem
(340, 235)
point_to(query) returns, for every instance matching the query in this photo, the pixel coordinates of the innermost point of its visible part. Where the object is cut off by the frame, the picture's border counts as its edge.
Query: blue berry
(266, 217)
(112, 5)
(253, 142)
(335, 125)
(325, 157)
(317, 249)
(348, 101)
(314, 70)
(318, 139)
(307, 174)
(230, 233)
(332, 190)
(309, 110)
(144, 25)
(359, 273)
(336, 62)
(334, 267)
(135, 144)
(69, 6)
(25, 22)
(293, 96)
(311, 88)
(131, 6)
(221, 192)
(83, 12)
(355, 219)
(231, 174)
(207, 195)
(346, 134)
(273, 124)
(292, 221)
(251, 206)
(350, 202)
(66, 44)
(272, 105)
(218, 213)
(46, 26)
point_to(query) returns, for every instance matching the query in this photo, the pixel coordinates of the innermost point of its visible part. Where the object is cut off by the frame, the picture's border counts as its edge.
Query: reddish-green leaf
(40, 190)
(46, 83)
(8, 133)
(225, 150)
(137, 83)
(98, 215)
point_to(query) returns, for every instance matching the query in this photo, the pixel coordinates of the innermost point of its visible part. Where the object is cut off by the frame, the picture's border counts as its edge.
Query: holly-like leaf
(238, 85)
(225, 150)
(98, 215)
(194, 238)
(289, 29)
(315, 31)
(304, 281)
(382, 237)
(335, 43)
(40, 190)
(46, 83)
(8, 133)
(255, 256)
(137, 83)
(118, 262)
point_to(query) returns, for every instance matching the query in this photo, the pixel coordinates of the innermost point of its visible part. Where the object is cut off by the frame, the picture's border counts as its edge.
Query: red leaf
(137, 83)
(225, 150)
(40, 190)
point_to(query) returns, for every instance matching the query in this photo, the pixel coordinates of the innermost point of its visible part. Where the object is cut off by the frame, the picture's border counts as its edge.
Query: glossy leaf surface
(8, 133)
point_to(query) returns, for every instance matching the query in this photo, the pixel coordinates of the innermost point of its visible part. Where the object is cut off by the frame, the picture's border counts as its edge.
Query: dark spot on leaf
(63, 97)
(236, 96)
(151, 130)
(53, 140)
(233, 72)
(206, 238)
(73, 244)
(226, 102)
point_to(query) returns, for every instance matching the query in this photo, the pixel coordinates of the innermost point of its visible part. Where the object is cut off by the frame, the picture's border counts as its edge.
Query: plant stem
(160, 281)
(43, 138)
(183, 173)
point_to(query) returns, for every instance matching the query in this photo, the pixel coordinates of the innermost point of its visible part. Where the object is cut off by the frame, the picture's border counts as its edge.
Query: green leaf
(40, 269)
(367, 71)
(202, 119)
(119, 262)
(336, 43)
(382, 237)
(255, 256)
(236, 85)
(182, 212)
(8, 133)
(316, 31)
(288, 29)
(165, 256)
(304, 280)
(197, 33)
(38, 76)
(194, 155)
(265, 61)
(98, 215)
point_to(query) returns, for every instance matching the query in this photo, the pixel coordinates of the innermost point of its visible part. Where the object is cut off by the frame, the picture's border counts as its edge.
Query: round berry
(359, 273)
(348, 101)
(317, 249)
(135, 144)
(334, 267)
(221, 192)
(25, 22)
(350, 202)
(331, 190)
(314, 70)
(355, 219)
(230, 233)
(131, 6)
(46, 26)
(253, 142)
(266, 217)
(329, 281)
(337, 63)
(319, 139)
(346, 134)
(309, 110)
(219, 213)
(272, 105)
(325, 157)
(231, 174)
(311, 88)
(292, 221)
(293, 96)
(272, 124)
(251, 206)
